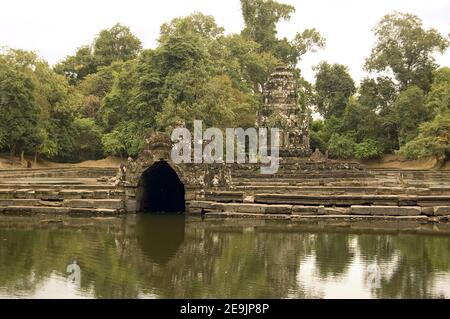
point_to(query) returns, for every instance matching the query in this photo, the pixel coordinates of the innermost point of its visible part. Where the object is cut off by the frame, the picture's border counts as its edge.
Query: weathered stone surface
(230, 207)
(19, 202)
(205, 205)
(409, 211)
(277, 209)
(441, 210)
(386, 210)
(249, 199)
(360, 210)
(333, 211)
(280, 95)
(49, 203)
(130, 206)
(304, 210)
(36, 210)
(251, 208)
(108, 203)
(225, 196)
(428, 211)
(79, 203)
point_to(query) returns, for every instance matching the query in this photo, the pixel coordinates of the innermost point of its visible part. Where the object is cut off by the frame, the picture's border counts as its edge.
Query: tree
(18, 109)
(333, 86)
(203, 25)
(410, 111)
(87, 139)
(433, 140)
(57, 101)
(78, 66)
(362, 120)
(111, 45)
(377, 94)
(115, 44)
(404, 47)
(438, 99)
(261, 18)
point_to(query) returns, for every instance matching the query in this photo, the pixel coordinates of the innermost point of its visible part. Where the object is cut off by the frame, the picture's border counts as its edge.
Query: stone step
(52, 194)
(197, 207)
(349, 200)
(329, 190)
(91, 172)
(94, 203)
(30, 210)
(56, 186)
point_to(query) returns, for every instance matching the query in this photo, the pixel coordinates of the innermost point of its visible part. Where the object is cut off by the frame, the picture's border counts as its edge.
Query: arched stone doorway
(160, 190)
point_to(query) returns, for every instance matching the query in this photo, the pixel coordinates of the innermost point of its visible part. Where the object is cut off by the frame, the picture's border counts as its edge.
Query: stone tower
(280, 109)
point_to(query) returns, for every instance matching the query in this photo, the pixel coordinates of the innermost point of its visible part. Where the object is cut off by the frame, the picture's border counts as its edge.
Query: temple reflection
(167, 257)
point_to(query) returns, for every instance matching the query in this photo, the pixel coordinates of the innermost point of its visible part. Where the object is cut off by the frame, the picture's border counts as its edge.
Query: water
(167, 257)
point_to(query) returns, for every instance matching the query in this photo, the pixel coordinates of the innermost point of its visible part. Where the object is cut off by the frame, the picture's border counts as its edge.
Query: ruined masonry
(307, 187)
(280, 109)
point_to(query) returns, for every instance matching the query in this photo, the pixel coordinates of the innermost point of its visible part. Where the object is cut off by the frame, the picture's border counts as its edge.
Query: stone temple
(280, 109)
(306, 188)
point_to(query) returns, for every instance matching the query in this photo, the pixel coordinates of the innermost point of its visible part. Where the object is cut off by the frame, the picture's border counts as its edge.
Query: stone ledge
(441, 211)
(386, 210)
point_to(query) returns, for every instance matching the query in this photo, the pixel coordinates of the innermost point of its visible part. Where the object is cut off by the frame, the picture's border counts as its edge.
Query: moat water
(149, 256)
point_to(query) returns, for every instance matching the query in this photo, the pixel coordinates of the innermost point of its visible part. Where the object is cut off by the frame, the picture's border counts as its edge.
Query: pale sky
(55, 29)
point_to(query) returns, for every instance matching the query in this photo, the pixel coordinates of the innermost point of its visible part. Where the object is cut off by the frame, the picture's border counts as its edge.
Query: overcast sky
(56, 28)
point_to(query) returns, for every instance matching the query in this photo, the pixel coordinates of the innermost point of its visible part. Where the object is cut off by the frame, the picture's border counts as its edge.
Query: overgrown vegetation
(101, 100)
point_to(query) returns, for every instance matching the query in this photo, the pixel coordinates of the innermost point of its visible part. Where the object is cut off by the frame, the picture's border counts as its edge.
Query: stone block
(230, 207)
(278, 209)
(428, 211)
(251, 208)
(359, 210)
(386, 210)
(409, 211)
(334, 211)
(130, 206)
(441, 210)
(108, 203)
(304, 210)
(79, 203)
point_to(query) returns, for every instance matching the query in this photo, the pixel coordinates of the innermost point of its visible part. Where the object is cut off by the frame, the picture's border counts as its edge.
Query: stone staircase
(71, 191)
(306, 188)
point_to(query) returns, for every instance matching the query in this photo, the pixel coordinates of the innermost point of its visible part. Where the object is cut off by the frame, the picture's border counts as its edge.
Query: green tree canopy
(405, 48)
(333, 86)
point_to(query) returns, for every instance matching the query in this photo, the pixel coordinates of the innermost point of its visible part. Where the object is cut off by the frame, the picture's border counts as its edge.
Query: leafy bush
(341, 145)
(368, 149)
(433, 140)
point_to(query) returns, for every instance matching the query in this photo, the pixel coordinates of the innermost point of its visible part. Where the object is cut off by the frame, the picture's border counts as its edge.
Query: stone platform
(305, 189)
(60, 191)
(301, 190)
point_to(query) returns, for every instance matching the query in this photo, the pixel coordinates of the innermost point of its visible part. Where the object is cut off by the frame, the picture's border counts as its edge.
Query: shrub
(341, 145)
(368, 149)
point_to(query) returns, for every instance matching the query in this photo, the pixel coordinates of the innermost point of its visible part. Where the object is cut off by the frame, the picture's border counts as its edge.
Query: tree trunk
(22, 157)
(12, 152)
(36, 155)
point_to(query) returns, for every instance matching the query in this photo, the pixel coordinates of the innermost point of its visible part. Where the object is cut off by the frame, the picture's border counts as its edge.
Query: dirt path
(106, 162)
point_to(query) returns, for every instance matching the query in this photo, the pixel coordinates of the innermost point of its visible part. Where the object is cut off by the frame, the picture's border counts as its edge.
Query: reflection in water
(74, 278)
(373, 276)
(169, 257)
(160, 236)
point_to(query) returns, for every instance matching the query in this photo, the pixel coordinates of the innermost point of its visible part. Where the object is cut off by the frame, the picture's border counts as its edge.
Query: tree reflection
(166, 258)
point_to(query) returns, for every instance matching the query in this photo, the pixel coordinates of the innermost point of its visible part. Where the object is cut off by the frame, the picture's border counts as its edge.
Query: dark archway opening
(160, 190)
